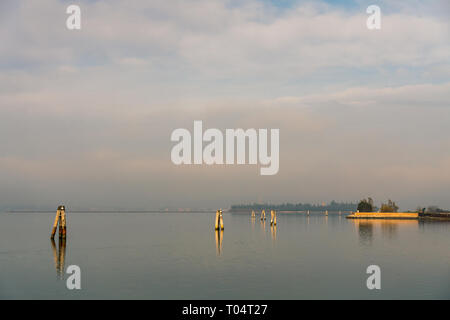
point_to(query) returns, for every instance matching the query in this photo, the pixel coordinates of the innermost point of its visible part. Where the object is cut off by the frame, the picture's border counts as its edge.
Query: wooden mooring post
(60, 219)
(273, 218)
(219, 220)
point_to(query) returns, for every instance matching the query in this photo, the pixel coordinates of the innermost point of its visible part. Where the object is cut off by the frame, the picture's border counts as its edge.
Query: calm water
(177, 256)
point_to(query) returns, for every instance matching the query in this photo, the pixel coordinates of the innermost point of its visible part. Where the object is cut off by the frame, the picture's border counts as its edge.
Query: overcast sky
(86, 116)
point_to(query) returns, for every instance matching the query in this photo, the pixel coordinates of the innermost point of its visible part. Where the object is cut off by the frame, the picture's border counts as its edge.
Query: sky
(86, 115)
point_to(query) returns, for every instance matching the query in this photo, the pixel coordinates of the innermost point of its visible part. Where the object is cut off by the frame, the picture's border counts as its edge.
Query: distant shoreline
(440, 215)
(291, 211)
(110, 211)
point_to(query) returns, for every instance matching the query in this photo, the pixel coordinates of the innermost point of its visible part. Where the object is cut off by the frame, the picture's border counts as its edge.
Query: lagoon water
(180, 256)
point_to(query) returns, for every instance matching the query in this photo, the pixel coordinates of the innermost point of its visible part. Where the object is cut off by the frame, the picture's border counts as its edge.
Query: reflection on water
(273, 230)
(365, 231)
(434, 225)
(263, 227)
(59, 256)
(389, 228)
(171, 256)
(219, 240)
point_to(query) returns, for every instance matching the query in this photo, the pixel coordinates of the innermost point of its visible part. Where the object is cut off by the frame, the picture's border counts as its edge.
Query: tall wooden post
(60, 219)
(219, 220)
(55, 224)
(62, 226)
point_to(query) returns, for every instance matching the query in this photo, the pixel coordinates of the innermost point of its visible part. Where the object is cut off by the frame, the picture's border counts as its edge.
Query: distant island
(332, 206)
(365, 208)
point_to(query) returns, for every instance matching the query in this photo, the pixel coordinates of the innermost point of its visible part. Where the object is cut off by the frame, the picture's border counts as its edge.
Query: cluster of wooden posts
(218, 225)
(60, 220)
(273, 216)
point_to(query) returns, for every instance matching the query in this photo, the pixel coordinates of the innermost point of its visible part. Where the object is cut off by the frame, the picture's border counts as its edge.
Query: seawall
(383, 215)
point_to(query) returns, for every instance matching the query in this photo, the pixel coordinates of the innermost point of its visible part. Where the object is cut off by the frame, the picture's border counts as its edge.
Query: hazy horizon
(86, 116)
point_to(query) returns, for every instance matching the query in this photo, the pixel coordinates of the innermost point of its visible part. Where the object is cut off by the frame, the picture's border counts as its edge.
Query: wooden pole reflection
(219, 241)
(62, 255)
(55, 254)
(263, 227)
(59, 256)
(273, 230)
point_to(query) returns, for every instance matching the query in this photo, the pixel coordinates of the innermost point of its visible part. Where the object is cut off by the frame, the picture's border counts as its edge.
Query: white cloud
(426, 95)
(218, 41)
(110, 94)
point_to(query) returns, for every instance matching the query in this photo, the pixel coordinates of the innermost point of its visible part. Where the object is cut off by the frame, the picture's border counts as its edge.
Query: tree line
(332, 206)
(367, 205)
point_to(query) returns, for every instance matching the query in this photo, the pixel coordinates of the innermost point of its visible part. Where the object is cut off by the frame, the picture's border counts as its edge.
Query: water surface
(180, 256)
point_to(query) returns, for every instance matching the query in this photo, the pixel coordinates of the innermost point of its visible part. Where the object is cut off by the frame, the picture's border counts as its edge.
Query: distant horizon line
(110, 211)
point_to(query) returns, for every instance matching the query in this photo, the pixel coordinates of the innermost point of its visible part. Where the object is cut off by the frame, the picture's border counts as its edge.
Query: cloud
(86, 116)
(213, 40)
(424, 95)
